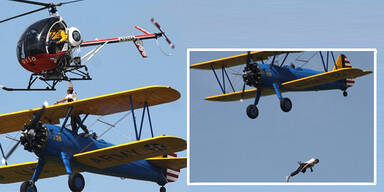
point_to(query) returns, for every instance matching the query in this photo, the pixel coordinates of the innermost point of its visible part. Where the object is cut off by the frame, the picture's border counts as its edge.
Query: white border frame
(283, 183)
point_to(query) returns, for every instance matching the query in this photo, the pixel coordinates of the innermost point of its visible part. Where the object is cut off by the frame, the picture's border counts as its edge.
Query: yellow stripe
(237, 59)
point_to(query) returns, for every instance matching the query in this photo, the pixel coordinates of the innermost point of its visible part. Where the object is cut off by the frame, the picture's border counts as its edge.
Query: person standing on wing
(75, 119)
(303, 167)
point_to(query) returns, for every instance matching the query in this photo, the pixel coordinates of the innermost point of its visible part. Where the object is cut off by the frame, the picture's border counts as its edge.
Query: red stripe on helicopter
(101, 40)
(141, 29)
(146, 35)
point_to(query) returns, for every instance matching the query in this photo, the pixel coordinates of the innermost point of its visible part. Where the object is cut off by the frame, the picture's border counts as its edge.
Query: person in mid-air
(303, 167)
(75, 119)
(57, 38)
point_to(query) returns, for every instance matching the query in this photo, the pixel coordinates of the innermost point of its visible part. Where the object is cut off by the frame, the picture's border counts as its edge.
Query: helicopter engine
(74, 37)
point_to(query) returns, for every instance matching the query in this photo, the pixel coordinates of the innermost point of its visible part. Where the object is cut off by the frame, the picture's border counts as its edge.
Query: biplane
(52, 61)
(60, 150)
(275, 78)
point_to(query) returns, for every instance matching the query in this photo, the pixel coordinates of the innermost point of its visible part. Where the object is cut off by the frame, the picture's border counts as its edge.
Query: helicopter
(54, 60)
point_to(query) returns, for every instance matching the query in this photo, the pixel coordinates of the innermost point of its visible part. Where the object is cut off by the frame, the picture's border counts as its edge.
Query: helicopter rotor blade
(33, 2)
(27, 13)
(51, 6)
(68, 2)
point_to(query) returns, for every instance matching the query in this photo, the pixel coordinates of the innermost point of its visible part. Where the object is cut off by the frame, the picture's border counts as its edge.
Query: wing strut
(66, 118)
(334, 61)
(286, 55)
(145, 108)
(273, 60)
(322, 60)
(4, 161)
(224, 75)
(326, 65)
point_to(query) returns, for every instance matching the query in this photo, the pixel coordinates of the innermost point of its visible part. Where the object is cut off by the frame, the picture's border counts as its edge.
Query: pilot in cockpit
(57, 38)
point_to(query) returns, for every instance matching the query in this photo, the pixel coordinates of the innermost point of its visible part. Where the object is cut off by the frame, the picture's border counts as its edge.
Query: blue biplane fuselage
(67, 143)
(278, 75)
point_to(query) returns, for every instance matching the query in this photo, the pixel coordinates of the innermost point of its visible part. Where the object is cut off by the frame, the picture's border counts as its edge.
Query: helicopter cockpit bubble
(33, 45)
(33, 40)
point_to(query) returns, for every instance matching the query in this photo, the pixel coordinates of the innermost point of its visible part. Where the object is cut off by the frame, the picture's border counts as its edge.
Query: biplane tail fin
(343, 62)
(171, 163)
(172, 174)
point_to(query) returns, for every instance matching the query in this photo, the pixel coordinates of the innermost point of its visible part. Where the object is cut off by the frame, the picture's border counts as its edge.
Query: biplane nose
(34, 138)
(252, 75)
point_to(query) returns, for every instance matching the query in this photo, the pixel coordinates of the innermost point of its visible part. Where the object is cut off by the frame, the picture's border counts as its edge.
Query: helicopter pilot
(57, 38)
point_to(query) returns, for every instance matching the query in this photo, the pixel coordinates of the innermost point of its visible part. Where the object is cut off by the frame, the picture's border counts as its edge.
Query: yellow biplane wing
(103, 158)
(323, 78)
(125, 153)
(174, 163)
(24, 171)
(236, 96)
(295, 85)
(100, 105)
(237, 59)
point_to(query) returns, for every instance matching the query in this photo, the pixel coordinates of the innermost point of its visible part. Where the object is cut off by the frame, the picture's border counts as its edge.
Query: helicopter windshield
(33, 41)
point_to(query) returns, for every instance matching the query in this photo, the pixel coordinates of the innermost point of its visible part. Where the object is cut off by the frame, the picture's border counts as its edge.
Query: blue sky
(325, 125)
(190, 24)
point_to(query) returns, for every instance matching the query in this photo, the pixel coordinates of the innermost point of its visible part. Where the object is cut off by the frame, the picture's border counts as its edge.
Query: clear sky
(190, 24)
(325, 125)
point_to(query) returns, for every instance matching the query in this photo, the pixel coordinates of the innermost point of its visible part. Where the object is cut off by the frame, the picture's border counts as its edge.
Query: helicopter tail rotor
(165, 36)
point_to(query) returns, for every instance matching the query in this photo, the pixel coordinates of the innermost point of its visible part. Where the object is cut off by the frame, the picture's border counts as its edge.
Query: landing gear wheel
(27, 186)
(345, 93)
(252, 111)
(76, 182)
(285, 104)
(163, 189)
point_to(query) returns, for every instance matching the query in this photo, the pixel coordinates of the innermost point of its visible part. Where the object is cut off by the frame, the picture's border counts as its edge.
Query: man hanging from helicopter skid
(76, 121)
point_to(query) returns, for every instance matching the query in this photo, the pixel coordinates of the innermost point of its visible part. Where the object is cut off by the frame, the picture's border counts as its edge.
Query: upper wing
(174, 163)
(322, 78)
(24, 171)
(100, 105)
(235, 96)
(237, 59)
(125, 153)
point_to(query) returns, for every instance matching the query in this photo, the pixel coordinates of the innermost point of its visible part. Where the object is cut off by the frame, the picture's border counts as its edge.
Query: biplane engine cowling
(74, 37)
(34, 138)
(252, 75)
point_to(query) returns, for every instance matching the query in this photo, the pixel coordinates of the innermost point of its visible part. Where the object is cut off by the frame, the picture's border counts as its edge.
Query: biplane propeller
(61, 151)
(52, 61)
(270, 78)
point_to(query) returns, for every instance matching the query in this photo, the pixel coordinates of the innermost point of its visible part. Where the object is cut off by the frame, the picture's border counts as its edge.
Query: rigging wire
(110, 127)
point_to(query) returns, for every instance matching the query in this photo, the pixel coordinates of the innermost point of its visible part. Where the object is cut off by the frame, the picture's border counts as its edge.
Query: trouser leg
(297, 170)
(79, 123)
(74, 124)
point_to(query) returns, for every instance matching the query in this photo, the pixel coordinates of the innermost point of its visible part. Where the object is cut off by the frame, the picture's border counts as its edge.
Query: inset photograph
(282, 116)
